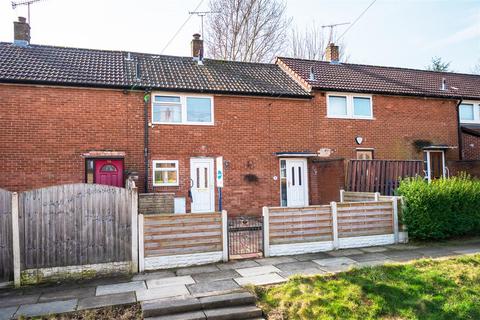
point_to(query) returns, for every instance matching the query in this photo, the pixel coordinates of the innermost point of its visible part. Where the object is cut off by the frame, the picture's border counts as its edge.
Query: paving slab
(215, 276)
(311, 256)
(18, 300)
(403, 255)
(46, 308)
(467, 250)
(304, 272)
(368, 257)
(165, 282)
(246, 272)
(274, 260)
(345, 252)
(237, 265)
(260, 280)
(336, 264)
(373, 249)
(215, 286)
(106, 300)
(435, 252)
(154, 275)
(402, 246)
(162, 292)
(120, 287)
(7, 313)
(75, 293)
(297, 266)
(229, 299)
(198, 269)
(243, 312)
(373, 263)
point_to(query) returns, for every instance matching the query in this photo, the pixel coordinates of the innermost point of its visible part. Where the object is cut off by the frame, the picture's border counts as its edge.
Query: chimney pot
(332, 53)
(21, 32)
(197, 47)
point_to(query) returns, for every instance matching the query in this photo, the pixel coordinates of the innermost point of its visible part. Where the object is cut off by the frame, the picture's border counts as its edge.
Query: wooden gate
(73, 225)
(245, 237)
(380, 175)
(6, 249)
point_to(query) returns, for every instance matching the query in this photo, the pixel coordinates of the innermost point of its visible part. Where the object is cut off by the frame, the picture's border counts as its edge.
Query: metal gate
(245, 237)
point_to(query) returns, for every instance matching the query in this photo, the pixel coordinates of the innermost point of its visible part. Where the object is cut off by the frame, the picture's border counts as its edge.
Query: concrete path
(209, 280)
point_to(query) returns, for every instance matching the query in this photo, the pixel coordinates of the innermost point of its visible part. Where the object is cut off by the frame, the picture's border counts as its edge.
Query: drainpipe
(146, 99)
(459, 132)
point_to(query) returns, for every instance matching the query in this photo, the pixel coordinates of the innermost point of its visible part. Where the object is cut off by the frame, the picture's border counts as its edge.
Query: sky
(401, 33)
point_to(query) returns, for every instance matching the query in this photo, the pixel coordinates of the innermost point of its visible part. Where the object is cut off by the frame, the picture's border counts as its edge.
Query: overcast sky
(403, 33)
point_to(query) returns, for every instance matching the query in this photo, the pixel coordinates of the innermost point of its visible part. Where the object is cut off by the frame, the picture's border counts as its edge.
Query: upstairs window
(349, 106)
(470, 112)
(180, 109)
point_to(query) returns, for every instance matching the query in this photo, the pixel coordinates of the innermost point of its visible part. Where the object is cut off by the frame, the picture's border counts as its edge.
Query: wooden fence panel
(349, 196)
(380, 175)
(308, 224)
(6, 249)
(175, 234)
(364, 218)
(76, 224)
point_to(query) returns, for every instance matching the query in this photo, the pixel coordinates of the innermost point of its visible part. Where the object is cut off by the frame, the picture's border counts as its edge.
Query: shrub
(441, 209)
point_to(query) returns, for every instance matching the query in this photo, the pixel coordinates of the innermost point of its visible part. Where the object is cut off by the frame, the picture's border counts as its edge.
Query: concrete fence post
(16, 241)
(225, 235)
(377, 196)
(141, 244)
(266, 232)
(395, 219)
(134, 209)
(333, 205)
(342, 195)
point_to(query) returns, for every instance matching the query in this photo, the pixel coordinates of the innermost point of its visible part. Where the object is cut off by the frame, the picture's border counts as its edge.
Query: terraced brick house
(281, 132)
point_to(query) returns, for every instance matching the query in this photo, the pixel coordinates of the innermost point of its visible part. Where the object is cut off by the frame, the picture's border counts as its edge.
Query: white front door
(202, 184)
(297, 183)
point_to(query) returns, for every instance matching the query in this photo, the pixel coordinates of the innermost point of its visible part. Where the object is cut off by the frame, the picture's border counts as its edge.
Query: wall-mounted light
(358, 140)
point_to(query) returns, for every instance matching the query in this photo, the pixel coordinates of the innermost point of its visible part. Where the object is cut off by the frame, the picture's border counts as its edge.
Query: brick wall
(45, 130)
(471, 147)
(155, 203)
(322, 171)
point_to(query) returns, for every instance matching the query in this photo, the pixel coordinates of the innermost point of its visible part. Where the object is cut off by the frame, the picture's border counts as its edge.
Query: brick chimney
(21, 32)
(197, 47)
(332, 53)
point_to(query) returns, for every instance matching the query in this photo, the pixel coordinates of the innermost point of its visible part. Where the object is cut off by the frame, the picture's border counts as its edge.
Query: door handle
(191, 183)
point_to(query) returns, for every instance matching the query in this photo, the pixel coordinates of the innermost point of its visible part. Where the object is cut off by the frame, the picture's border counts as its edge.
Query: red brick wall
(471, 147)
(45, 130)
(327, 177)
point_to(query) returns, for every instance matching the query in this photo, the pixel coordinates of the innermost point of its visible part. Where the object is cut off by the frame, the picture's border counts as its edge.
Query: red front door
(109, 172)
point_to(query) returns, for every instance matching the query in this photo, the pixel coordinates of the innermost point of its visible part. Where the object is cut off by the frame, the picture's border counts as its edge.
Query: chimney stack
(197, 47)
(21, 32)
(332, 53)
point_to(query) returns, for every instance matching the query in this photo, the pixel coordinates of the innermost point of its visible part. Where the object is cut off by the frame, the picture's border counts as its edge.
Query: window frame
(371, 150)
(350, 105)
(176, 169)
(476, 112)
(183, 106)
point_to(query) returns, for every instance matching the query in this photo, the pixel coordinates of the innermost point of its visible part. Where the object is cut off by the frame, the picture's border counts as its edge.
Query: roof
(102, 68)
(387, 80)
(472, 129)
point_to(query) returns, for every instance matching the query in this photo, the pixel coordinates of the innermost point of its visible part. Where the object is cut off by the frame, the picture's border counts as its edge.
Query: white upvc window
(165, 173)
(470, 112)
(349, 106)
(192, 109)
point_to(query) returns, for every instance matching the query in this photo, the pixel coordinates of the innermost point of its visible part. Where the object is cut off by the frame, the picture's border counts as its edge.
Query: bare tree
(311, 43)
(476, 68)
(246, 30)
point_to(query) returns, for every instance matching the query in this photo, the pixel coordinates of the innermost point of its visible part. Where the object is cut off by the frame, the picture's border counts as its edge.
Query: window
(364, 154)
(470, 112)
(89, 171)
(165, 173)
(179, 109)
(349, 106)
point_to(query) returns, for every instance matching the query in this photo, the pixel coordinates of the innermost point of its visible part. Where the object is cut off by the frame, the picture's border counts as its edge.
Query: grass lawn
(425, 289)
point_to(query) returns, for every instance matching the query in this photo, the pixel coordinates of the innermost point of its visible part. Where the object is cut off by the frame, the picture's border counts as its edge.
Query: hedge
(441, 209)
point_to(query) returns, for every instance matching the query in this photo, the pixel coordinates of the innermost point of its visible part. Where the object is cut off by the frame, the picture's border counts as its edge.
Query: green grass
(426, 289)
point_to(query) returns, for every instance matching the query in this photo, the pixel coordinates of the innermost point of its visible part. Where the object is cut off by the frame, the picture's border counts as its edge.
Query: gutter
(459, 131)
